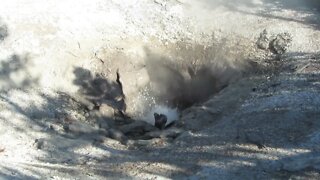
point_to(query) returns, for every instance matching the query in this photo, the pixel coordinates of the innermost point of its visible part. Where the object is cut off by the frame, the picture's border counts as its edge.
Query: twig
(119, 83)
(72, 54)
(101, 60)
(95, 55)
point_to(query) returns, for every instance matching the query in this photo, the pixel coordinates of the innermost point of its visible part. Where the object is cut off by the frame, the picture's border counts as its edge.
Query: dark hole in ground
(102, 94)
(183, 84)
(174, 84)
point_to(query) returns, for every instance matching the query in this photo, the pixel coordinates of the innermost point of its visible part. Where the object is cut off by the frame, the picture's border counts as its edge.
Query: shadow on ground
(310, 9)
(4, 32)
(100, 90)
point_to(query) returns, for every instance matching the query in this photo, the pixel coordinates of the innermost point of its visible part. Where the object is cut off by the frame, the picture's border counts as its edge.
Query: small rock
(78, 127)
(117, 135)
(139, 142)
(136, 126)
(280, 43)
(106, 111)
(86, 114)
(2, 149)
(103, 125)
(102, 122)
(263, 41)
(51, 127)
(83, 160)
(104, 132)
(66, 127)
(160, 120)
(67, 161)
(56, 127)
(97, 140)
(255, 139)
(168, 133)
(38, 143)
(277, 44)
(79, 98)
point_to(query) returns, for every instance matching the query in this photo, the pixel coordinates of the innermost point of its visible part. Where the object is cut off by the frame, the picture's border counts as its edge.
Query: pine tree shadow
(100, 90)
(14, 73)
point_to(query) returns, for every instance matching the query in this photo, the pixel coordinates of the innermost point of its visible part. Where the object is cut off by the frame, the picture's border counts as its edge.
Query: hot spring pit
(106, 103)
(142, 100)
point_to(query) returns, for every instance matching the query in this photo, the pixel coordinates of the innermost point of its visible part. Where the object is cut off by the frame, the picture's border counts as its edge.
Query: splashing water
(171, 113)
(145, 105)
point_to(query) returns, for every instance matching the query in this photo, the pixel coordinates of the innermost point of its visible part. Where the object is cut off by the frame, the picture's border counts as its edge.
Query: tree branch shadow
(309, 7)
(4, 32)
